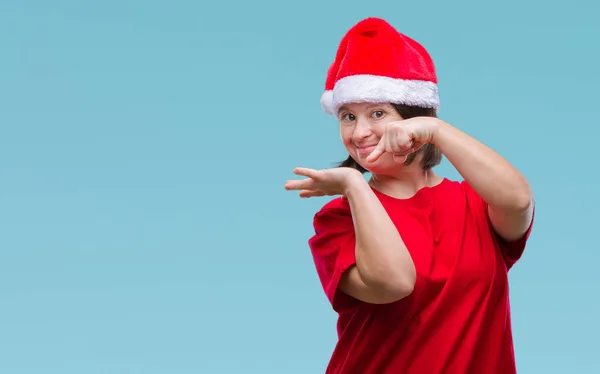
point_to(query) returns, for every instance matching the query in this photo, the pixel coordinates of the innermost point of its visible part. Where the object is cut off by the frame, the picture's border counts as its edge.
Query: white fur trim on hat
(379, 89)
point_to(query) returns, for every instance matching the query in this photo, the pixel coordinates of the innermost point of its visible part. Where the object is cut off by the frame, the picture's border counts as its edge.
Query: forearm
(498, 183)
(382, 259)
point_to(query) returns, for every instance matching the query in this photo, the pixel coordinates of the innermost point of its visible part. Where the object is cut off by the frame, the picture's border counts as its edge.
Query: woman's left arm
(505, 190)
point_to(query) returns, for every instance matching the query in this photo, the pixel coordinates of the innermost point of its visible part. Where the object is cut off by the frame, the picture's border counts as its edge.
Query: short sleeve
(511, 250)
(333, 251)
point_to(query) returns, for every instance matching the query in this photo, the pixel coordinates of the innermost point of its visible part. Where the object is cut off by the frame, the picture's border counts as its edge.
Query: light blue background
(144, 145)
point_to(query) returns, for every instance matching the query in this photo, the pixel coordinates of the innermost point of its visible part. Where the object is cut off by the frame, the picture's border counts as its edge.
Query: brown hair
(431, 154)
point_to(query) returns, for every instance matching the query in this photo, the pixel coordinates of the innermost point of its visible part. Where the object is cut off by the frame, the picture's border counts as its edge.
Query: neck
(406, 182)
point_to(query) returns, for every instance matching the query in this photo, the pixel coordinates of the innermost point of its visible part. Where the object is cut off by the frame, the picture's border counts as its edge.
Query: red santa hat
(376, 63)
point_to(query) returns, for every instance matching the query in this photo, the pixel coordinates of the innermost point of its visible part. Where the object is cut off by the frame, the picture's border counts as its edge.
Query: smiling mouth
(366, 150)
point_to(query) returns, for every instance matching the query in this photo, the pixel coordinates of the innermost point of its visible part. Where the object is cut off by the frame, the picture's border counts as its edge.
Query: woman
(414, 264)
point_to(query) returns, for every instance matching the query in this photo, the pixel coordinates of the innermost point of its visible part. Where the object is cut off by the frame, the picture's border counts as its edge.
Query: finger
(310, 193)
(377, 152)
(404, 152)
(304, 184)
(390, 144)
(307, 172)
(399, 158)
(407, 152)
(395, 145)
(404, 143)
(417, 146)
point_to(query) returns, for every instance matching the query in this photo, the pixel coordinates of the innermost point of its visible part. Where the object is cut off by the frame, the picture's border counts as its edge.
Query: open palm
(325, 182)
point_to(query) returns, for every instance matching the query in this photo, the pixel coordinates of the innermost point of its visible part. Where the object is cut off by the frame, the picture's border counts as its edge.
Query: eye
(378, 114)
(347, 117)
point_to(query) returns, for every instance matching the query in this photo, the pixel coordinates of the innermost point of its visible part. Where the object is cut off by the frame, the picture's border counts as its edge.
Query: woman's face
(361, 127)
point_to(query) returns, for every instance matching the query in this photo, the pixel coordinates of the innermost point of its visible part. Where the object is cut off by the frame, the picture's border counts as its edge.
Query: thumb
(377, 152)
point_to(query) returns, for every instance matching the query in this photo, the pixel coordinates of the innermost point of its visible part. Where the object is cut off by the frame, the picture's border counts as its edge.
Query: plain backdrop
(144, 146)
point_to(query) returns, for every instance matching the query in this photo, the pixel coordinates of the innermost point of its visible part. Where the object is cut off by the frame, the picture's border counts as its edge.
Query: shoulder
(335, 213)
(338, 207)
(337, 204)
(458, 197)
(452, 185)
(332, 222)
(454, 189)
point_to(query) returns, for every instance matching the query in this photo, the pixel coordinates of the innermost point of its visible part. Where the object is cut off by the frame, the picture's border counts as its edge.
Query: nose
(362, 130)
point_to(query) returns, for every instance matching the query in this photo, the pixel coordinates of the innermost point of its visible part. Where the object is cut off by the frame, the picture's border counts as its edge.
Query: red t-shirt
(457, 320)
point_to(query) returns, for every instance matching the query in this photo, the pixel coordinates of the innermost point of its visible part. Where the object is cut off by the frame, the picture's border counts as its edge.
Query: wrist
(437, 129)
(355, 182)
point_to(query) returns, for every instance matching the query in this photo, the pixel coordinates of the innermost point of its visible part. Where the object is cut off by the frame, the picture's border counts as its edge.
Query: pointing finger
(305, 172)
(304, 184)
(377, 152)
(310, 193)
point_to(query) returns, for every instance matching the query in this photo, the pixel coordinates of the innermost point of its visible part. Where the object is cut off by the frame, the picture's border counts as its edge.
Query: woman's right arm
(384, 270)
